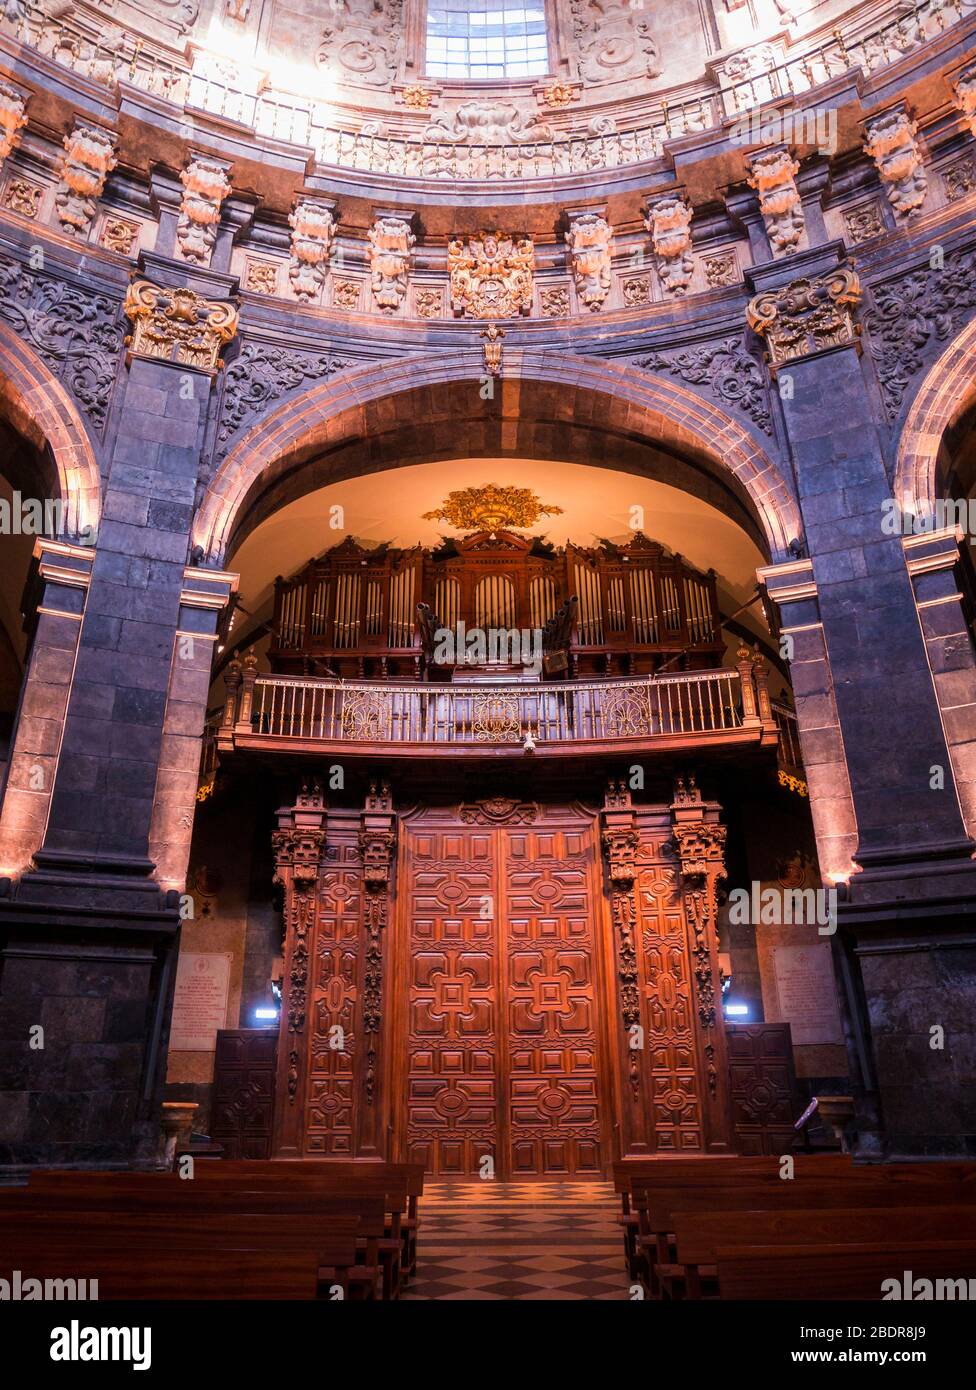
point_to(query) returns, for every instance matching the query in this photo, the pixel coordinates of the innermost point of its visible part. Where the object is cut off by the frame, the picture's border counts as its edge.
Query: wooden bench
(333, 1238)
(889, 1187)
(327, 1196)
(698, 1235)
(839, 1271)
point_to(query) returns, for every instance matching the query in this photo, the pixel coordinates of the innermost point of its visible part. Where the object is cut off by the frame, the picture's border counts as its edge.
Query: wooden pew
(861, 1187)
(699, 1234)
(144, 1191)
(827, 1272)
(333, 1238)
(174, 1272)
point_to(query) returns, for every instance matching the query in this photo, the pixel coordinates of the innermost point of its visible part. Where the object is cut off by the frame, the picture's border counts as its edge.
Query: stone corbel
(589, 240)
(772, 173)
(298, 844)
(619, 839)
(890, 140)
(13, 115)
(668, 220)
(88, 159)
(391, 242)
(700, 842)
(377, 843)
(205, 186)
(313, 229)
(964, 91)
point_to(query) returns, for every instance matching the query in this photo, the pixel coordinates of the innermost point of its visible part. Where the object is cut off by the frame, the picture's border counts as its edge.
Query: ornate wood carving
(244, 1083)
(500, 982)
(377, 840)
(620, 847)
(700, 842)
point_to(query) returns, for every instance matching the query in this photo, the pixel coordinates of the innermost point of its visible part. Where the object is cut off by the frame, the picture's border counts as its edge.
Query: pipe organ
(615, 609)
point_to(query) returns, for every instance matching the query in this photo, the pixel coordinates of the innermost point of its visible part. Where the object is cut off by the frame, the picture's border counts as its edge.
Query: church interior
(487, 650)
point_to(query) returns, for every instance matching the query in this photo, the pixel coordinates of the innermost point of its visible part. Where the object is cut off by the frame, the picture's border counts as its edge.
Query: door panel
(502, 1053)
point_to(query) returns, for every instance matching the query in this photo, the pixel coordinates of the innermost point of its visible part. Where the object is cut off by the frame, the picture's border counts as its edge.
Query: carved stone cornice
(377, 843)
(178, 325)
(807, 316)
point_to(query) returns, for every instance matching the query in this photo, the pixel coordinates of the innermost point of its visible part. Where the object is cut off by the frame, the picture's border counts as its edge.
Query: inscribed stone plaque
(200, 1004)
(807, 993)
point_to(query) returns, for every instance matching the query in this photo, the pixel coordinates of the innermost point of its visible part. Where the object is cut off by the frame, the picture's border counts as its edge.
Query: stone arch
(946, 392)
(546, 400)
(39, 407)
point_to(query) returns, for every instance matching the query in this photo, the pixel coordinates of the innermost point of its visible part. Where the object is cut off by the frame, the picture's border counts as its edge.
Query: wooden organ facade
(353, 612)
(527, 982)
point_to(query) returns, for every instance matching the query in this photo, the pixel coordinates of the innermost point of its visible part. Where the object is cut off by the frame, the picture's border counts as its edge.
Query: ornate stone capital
(807, 315)
(177, 325)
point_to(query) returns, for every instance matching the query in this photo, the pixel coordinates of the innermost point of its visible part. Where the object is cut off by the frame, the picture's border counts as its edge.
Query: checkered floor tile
(522, 1240)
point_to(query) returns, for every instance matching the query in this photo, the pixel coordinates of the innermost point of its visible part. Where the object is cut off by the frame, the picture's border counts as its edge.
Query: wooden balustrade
(443, 719)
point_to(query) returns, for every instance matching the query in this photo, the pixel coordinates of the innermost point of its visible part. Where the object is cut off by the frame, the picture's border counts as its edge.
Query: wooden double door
(500, 1053)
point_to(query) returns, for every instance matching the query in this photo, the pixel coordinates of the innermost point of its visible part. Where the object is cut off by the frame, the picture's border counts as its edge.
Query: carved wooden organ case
(530, 981)
(353, 611)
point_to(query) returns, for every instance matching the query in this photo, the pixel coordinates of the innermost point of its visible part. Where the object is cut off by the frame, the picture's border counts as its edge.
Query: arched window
(486, 38)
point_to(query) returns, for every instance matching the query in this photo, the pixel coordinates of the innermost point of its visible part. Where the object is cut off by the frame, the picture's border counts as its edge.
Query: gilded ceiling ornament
(177, 325)
(892, 145)
(490, 507)
(13, 116)
(417, 96)
(558, 94)
(773, 174)
(491, 275)
(807, 315)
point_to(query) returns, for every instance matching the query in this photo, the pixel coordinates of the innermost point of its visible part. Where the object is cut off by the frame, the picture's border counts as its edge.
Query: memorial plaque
(200, 1003)
(807, 993)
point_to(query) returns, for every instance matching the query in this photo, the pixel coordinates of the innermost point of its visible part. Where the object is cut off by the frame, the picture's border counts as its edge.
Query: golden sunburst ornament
(490, 507)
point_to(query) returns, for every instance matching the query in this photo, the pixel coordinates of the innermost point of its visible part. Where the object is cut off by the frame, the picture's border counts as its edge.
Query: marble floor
(519, 1240)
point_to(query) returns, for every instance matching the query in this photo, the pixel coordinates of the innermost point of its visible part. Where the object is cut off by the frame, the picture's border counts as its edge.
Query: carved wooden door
(501, 988)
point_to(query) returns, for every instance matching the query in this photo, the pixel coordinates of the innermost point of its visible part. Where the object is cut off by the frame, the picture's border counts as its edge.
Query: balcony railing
(105, 53)
(309, 714)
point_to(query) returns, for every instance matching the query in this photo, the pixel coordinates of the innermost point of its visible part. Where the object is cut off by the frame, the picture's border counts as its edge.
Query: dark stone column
(88, 935)
(871, 695)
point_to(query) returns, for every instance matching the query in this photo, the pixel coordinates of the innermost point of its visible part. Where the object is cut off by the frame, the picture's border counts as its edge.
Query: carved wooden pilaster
(377, 841)
(700, 842)
(298, 845)
(619, 838)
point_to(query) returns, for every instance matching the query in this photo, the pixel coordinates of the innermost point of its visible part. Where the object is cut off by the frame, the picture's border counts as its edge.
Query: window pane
(486, 38)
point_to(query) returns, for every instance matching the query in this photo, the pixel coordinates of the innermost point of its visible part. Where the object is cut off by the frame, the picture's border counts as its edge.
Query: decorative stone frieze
(487, 122)
(491, 275)
(119, 235)
(22, 196)
(807, 315)
(724, 370)
(863, 223)
(88, 159)
(589, 239)
(313, 232)
(772, 173)
(260, 374)
(205, 186)
(892, 145)
(363, 41)
(668, 220)
(13, 116)
(177, 325)
(391, 240)
(613, 39)
(965, 90)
